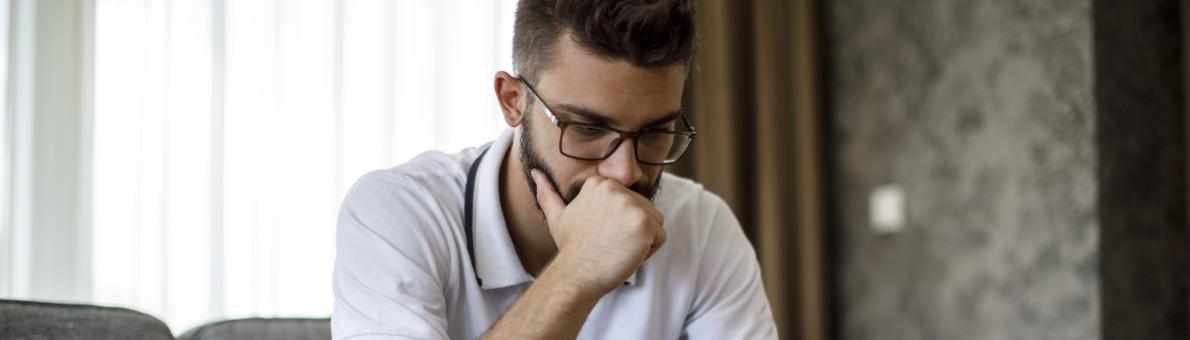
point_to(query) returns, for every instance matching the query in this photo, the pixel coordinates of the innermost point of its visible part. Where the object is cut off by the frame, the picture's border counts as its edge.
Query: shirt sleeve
(730, 302)
(387, 277)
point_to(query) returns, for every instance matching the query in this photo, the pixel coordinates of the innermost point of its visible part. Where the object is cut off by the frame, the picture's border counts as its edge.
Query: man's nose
(621, 165)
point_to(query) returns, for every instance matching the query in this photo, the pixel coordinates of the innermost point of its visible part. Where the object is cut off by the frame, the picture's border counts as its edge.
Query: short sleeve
(388, 279)
(730, 301)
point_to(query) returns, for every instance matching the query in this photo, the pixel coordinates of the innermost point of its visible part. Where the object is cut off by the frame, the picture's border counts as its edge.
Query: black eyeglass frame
(562, 125)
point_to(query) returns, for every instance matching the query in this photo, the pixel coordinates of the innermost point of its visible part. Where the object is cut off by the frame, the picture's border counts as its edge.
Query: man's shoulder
(406, 205)
(683, 195)
(693, 212)
(434, 171)
(428, 187)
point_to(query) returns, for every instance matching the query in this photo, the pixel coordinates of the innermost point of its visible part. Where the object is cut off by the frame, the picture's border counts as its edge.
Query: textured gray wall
(982, 111)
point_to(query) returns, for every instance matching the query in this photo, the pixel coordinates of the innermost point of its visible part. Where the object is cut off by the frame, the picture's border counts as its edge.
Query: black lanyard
(468, 220)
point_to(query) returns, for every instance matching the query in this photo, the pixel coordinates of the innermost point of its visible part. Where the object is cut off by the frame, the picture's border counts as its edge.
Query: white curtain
(5, 154)
(226, 132)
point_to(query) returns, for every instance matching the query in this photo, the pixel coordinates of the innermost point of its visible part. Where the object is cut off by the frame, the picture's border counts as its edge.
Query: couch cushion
(262, 329)
(42, 320)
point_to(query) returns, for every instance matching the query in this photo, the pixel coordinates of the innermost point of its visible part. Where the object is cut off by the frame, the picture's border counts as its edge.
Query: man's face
(584, 88)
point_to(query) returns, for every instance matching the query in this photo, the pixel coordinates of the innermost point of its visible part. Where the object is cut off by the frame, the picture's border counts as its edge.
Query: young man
(559, 228)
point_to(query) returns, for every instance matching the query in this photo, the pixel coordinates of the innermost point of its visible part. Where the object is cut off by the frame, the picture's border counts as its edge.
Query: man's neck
(526, 226)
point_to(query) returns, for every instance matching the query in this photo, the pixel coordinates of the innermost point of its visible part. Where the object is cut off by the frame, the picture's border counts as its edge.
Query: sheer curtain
(5, 153)
(225, 133)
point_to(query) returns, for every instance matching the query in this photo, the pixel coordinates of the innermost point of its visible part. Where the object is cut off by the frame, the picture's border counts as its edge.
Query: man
(560, 227)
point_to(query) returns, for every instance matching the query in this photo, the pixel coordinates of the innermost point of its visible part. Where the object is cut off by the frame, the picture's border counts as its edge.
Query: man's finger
(658, 241)
(547, 196)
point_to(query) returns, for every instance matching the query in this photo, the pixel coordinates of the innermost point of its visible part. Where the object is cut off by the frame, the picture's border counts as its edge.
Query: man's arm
(552, 301)
(387, 277)
(603, 236)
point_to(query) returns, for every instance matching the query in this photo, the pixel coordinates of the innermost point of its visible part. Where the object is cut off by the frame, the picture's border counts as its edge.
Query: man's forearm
(552, 308)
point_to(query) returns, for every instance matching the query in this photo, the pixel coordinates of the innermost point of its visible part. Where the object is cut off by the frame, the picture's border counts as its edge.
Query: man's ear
(510, 94)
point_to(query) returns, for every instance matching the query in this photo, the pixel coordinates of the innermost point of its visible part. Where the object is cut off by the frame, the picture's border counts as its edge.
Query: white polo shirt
(403, 269)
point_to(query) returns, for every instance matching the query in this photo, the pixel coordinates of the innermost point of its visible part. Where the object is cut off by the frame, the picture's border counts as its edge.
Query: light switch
(886, 209)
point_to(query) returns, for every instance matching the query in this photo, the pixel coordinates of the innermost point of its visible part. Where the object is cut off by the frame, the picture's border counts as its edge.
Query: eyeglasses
(594, 142)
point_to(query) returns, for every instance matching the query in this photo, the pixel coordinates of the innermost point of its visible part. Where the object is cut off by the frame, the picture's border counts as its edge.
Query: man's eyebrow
(597, 118)
(591, 116)
(665, 119)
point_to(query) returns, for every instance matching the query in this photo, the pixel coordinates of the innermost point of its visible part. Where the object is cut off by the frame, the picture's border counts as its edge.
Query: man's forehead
(576, 65)
(621, 96)
(607, 108)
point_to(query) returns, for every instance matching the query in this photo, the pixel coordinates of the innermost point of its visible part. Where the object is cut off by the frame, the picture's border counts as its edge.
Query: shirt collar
(496, 259)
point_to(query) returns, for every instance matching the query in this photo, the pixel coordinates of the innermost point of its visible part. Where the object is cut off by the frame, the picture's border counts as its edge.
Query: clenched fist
(603, 235)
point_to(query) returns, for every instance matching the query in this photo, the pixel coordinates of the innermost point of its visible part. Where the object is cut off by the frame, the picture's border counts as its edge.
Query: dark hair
(643, 32)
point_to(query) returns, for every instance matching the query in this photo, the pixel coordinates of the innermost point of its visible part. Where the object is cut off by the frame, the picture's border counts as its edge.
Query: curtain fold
(754, 96)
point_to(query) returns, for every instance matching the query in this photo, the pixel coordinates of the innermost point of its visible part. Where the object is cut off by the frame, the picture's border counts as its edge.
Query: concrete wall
(983, 112)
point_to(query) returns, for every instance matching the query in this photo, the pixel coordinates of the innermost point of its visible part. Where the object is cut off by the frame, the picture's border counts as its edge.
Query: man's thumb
(547, 196)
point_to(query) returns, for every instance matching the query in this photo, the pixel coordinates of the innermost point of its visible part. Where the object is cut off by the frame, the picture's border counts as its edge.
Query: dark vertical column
(1141, 141)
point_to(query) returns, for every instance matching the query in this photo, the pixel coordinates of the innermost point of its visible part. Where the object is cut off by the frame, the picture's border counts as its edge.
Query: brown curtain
(755, 99)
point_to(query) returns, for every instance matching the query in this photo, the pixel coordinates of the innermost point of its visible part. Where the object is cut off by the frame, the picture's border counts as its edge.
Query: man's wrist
(556, 299)
(567, 277)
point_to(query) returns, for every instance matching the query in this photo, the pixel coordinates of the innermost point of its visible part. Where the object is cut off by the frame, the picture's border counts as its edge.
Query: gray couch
(259, 328)
(43, 320)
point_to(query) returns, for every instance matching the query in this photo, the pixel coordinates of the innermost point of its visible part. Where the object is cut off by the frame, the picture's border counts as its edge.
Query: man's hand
(602, 236)
(605, 233)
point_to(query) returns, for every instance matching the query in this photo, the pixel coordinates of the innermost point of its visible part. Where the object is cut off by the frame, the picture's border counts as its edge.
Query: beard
(530, 160)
